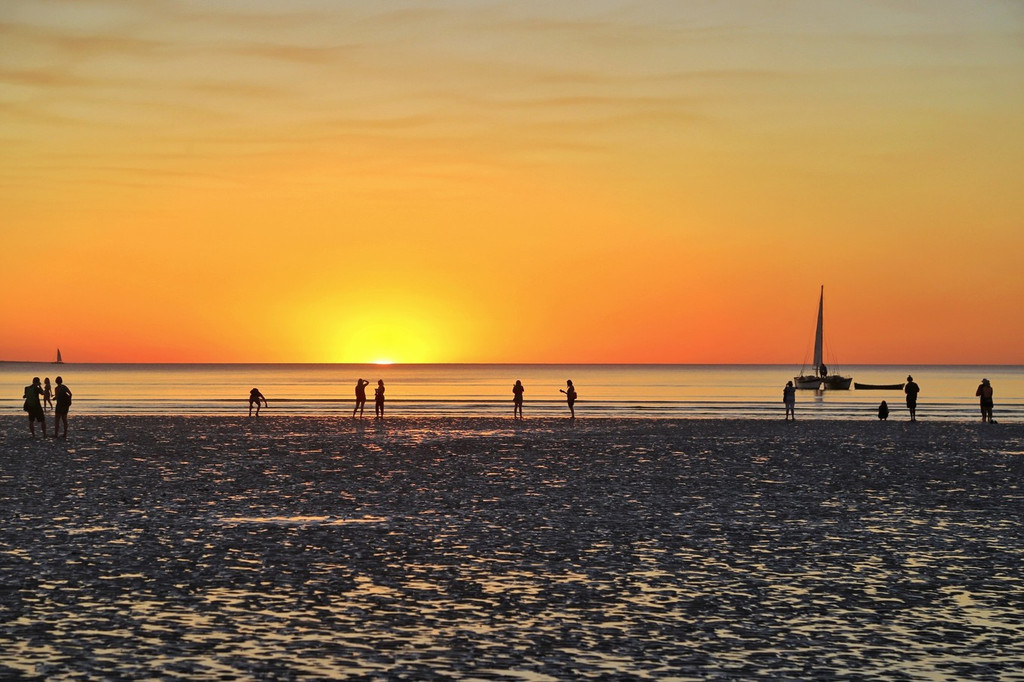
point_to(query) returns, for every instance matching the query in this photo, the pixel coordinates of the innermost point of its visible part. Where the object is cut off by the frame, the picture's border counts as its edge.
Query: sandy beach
(291, 547)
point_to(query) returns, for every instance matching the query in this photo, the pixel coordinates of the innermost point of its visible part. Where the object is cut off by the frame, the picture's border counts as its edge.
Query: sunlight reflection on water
(300, 520)
(648, 391)
(599, 550)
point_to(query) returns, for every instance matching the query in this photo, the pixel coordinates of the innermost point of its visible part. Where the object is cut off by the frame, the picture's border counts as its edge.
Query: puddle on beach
(608, 552)
(301, 520)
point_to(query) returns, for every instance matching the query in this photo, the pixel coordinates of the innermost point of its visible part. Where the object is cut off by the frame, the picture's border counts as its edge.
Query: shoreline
(474, 421)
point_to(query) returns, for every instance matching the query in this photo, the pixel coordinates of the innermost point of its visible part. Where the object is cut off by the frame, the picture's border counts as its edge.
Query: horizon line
(539, 364)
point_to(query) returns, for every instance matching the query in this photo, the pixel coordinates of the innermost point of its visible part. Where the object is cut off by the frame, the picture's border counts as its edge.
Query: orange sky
(511, 182)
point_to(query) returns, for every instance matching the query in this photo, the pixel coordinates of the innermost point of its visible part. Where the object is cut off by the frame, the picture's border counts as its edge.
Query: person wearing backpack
(60, 411)
(985, 393)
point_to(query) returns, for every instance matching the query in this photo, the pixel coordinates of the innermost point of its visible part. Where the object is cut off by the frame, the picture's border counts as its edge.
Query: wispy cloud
(572, 76)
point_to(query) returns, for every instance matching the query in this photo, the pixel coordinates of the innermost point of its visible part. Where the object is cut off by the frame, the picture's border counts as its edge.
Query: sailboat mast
(818, 336)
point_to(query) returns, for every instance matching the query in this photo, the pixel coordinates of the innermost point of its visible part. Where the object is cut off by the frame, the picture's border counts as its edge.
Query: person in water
(570, 397)
(984, 392)
(378, 400)
(47, 394)
(255, 398)
(789, 400)
(33, 407)
(60, 413)
(517, 399)
(360, 396)
(883, 411)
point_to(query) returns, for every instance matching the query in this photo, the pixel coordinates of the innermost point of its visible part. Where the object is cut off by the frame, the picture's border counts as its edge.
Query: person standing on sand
(912, 389)
(789, 400)
(378, 400)
(985, 393)
(883, 411)
(255, 398)
(47, 393)
(60, 414)
(517, 399)
(570, 397)
(360, 396)
(32, 406)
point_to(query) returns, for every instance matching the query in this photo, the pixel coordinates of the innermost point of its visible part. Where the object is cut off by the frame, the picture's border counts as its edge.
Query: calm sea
(698, 391)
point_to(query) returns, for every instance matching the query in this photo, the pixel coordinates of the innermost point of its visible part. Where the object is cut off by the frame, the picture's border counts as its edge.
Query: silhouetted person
(984, 392)
(912, 389)
(255, 398)
(360, 396)
(60, 414)
(32, 406)
(517, 399)
(570, 397)
(883, 411)
(47, 393)
(789, 400)
(378, 400)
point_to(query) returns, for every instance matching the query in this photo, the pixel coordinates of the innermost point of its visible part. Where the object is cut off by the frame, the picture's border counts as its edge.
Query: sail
(59, 360)
(818, 335)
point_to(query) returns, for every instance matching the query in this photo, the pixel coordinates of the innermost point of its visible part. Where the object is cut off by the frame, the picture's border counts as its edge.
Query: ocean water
(650, 391)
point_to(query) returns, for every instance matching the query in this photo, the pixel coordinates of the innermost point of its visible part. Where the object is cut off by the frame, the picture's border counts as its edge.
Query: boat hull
(878, 387)
(807, 383)
(837, 383)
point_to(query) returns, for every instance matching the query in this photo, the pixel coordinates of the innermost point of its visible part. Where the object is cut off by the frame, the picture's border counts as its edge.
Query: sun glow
(393, 330)
(509, 184)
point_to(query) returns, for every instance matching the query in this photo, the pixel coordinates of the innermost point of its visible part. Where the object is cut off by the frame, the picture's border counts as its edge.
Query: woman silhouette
(360, 396)
(570, 397)
(517, 399)
(378, 400)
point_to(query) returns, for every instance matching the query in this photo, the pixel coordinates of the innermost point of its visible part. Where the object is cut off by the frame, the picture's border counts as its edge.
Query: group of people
(911, 389)
(378, 398)
(257, 399)
(39, 398)
(517, 398)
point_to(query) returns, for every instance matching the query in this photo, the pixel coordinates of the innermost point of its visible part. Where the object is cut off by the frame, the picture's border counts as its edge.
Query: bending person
(255, 398)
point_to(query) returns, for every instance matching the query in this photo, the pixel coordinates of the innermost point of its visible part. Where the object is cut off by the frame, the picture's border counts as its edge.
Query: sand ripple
(434, 548)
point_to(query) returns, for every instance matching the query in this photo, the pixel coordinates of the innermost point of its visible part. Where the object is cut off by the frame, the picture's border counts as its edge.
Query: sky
(496, 181)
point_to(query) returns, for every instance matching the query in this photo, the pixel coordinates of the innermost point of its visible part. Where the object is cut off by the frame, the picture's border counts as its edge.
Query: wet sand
(288, 547)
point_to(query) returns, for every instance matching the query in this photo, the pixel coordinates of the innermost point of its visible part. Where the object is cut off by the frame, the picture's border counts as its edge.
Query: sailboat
(821, 378)
(58, 361)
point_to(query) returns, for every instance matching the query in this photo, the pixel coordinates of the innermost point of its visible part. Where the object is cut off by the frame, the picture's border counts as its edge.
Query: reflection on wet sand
(304, 547)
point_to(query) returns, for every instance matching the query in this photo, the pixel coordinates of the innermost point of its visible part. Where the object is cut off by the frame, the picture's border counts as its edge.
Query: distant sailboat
(59, 360)
(821, 378)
